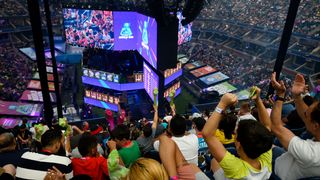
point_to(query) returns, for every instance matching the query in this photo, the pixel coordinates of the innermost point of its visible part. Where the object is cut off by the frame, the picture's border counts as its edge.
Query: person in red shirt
(91, 163)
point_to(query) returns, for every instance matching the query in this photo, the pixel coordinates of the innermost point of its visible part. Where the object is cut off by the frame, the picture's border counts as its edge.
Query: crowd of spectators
(13, 80)
(263, 14)
(12, 8)
(257, 140)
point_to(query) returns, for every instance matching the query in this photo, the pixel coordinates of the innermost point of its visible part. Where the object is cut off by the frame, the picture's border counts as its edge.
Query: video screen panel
(20, 109)
(184, 32)
(150, 80)
(194, 65)
(49, 77)
(147, 39)
(89, 28)
(203, 71)
(214, 78)
(35, 84)
(125, 30)
(243, 95)
(36, 96)
(47, 53)
(30, 52)
(222, 88)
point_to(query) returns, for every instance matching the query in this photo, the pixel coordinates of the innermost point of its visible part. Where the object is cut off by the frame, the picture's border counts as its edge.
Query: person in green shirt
(253, 141)
(129, 151)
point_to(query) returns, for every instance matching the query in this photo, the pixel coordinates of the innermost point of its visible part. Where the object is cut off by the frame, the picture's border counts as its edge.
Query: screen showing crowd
(89, 28)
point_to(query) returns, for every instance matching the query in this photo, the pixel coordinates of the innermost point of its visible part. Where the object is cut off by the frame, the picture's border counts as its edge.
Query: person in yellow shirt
(253, 141)
(225, 131)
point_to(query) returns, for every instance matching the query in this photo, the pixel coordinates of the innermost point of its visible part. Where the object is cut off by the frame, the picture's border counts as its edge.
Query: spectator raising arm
(262, 111)
(215, 146)
(155, 117)
(283, 134)
(298, 88)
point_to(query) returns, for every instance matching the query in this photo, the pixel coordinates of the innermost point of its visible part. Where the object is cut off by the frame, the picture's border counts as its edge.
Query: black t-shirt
(12, 157)
(294, 120)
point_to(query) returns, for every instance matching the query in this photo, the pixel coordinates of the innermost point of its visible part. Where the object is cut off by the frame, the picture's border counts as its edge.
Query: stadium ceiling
(163, 10)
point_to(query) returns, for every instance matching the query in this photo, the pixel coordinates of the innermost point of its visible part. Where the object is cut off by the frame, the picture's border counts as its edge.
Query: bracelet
(219, 110)
(278, 98)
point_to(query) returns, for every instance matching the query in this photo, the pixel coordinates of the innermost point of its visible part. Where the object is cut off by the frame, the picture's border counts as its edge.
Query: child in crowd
(129, 151)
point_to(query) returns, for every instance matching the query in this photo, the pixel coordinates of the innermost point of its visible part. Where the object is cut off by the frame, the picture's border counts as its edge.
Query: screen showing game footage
(147, 39)
(203, 71)
(184, 32)
(30, 52)
(214, 78)
(222, 88)
(194, 65)
(150, 80)
(89, 28)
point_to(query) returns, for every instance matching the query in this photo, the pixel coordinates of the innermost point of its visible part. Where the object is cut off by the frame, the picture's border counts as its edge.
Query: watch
(278, 98)
(219, 110)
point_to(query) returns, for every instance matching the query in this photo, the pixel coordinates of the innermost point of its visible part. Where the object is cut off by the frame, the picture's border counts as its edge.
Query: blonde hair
(147, 169)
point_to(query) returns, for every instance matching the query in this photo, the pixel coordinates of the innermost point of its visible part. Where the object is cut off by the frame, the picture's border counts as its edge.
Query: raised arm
(298, 88)
(155, 117)
(283, 134)
(262, 111)
(215, 146)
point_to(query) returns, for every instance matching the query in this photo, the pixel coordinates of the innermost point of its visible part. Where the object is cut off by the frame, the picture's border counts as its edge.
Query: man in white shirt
(302, 159)
(186, 142)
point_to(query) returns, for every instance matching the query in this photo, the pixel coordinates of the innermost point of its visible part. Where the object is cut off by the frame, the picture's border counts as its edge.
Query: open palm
(298, 86)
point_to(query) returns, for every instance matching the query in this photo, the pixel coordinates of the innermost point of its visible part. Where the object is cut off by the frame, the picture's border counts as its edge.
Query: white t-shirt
(188, 146)
(247, 117)
(302, 160)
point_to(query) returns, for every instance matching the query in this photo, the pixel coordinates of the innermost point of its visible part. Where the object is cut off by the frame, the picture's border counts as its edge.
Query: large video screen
(20, 109)
(125, 30)
(203, 71)
(89, 28)
(36, 96)
(30, 52)
(150, 80)
(147, 39)
(222, 88)
(194, 65)
(184, 32)
(214, 78)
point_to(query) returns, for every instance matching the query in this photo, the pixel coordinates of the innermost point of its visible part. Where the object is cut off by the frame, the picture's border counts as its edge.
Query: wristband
(278, 98)
(219, 110)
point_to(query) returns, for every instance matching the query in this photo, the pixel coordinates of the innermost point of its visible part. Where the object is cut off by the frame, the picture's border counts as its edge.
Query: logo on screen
(126, 32)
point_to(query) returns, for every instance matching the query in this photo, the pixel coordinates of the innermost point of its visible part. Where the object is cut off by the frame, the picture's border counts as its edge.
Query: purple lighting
(112, 85)
(101, 104)
(172, 77)
(150, 80)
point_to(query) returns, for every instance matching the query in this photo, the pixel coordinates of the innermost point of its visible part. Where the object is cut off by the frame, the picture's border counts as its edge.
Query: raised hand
(257, 93)
(227, 100)
(278, 85)
(298, 86)
(54, 174)
(112, 145)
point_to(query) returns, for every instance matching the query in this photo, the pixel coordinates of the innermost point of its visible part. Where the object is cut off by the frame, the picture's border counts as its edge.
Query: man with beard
(35, 165)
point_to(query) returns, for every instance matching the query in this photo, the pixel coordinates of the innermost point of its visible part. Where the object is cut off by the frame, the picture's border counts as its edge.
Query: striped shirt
(35, 165)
